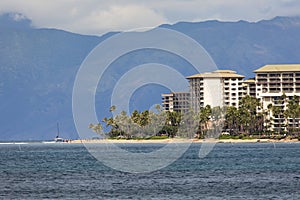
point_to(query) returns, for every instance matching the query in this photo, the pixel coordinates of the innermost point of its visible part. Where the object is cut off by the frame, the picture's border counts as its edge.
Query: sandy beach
(186, 141)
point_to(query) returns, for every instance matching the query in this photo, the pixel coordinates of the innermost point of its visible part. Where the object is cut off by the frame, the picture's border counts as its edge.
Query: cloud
(18, 17)
(87, 17)
(229, 10)
(117, 18)
(100, 16)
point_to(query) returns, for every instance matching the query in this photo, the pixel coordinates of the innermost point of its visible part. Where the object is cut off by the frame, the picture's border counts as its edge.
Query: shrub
(157, 137)
(229, 137)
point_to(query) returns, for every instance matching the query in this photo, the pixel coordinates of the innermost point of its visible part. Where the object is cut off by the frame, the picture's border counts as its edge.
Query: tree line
(280, 118)
(248, 119)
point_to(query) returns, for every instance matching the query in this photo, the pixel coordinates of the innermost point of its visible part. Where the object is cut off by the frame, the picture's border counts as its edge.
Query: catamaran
(57, 138)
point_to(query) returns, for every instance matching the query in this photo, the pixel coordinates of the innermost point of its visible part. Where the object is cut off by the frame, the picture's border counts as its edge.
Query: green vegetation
(242, 137)
(170, 128)
(229, 137)
(293, 112)
(248, 121)
(136, 126)
(157, 137)
(203, 117)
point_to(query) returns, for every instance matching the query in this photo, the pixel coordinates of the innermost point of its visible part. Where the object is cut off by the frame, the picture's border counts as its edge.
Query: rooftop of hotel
(279, 68)
(174, 93)
(250, 80)
(217, 74)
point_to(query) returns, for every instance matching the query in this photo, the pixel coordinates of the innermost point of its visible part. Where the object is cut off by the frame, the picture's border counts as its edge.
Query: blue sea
(229, 171)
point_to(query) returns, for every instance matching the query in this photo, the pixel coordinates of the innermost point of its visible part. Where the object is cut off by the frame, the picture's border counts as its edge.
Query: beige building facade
(273, 82)
(176, 101)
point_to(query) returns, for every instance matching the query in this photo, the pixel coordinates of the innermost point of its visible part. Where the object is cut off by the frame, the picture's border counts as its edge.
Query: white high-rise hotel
(218, 88)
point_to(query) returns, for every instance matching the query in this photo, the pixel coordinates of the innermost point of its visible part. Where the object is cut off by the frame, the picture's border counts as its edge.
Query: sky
(97, 17)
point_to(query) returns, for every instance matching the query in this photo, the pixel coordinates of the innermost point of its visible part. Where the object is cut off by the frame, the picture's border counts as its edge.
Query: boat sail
(57, 138)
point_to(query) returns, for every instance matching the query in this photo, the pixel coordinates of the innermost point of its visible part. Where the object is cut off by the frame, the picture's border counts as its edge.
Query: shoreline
(120, 141)
(153, 141)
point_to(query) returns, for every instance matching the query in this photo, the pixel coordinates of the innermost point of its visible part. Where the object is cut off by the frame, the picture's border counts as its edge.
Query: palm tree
(293, 111)
(112, 122)
(124, 124)
(248, 112)
(277, 112)
(259, 126)
(135, 116)
(217, 115)
(112, 108)
(173, 120)
(268, 118)
(96, 128)
(231, 119)
(158, 108)
(203, 117)
(144, 118)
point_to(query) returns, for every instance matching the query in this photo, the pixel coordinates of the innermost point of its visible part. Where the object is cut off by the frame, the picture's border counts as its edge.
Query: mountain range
(38, 67)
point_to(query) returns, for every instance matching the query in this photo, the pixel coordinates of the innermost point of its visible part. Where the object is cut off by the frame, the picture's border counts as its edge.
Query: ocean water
(230, 171)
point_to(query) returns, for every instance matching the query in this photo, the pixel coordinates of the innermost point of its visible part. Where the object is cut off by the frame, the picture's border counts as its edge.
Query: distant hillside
(38, 67)
(245, 46)
(37, 70)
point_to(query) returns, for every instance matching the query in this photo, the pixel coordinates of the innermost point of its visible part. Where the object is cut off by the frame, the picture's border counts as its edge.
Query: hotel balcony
(288, 75)
(262, 75)
(274, 75)
(275, 90)
(274, 80)
(287, 80)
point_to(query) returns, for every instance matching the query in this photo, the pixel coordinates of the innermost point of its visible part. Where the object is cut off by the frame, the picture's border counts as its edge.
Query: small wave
(49, 142)
(5, 143)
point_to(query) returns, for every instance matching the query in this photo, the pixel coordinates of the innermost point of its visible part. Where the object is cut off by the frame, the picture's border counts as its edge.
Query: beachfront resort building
(217, 88)
(176, 101)
(275, 86)
(250, 87)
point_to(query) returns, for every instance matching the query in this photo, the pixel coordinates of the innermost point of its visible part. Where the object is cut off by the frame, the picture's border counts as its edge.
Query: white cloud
(229, 10)
(18, 17)
(100, 16)
(88, 16)
(117, 18)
